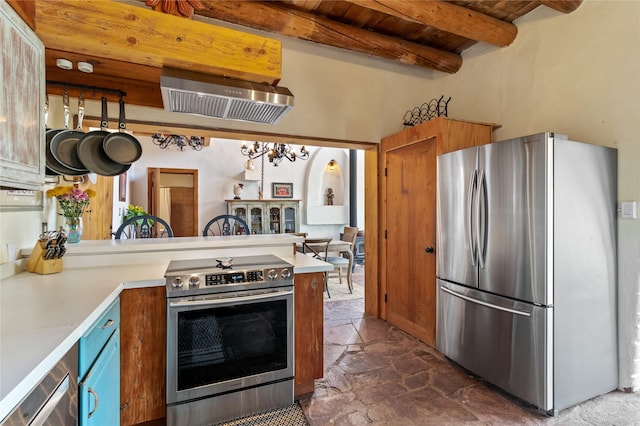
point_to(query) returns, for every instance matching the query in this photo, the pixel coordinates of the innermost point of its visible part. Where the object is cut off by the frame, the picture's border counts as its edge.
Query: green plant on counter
(133, 211)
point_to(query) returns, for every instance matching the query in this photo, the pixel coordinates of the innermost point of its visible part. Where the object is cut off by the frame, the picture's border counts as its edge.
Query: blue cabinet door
(100, 388)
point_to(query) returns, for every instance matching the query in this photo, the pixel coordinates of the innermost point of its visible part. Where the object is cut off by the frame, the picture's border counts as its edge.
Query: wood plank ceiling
(426, 34)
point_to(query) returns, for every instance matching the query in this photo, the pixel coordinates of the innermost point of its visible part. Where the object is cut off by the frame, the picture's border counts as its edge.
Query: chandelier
(164, 142)
(276, 152)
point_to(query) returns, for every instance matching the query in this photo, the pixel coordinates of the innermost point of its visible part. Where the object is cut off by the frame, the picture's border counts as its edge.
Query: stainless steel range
(229, 338)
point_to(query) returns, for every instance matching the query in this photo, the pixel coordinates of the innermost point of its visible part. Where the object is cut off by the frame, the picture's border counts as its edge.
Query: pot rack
(84, 87)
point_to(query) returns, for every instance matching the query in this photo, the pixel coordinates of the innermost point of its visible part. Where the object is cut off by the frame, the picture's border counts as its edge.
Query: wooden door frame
(194, 172)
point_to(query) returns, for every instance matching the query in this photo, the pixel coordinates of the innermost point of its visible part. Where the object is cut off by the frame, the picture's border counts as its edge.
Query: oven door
(225, 342)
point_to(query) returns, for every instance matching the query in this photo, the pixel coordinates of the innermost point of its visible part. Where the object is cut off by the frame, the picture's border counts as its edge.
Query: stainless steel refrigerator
(526, 266)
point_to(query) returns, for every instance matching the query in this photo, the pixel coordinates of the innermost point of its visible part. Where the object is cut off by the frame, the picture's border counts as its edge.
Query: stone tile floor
(377, 374)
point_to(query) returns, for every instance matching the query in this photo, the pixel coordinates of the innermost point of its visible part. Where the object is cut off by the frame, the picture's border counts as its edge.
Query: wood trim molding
(148, 128)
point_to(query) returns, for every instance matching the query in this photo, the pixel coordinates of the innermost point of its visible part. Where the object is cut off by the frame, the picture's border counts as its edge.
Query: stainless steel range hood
(201, 94)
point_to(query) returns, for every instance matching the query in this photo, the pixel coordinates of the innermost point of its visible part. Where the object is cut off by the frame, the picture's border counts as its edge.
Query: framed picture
(123, 187)
(281, 190)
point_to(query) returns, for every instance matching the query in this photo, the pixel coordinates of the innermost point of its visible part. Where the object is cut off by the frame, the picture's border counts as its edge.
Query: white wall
(577, 74)
(220, 166)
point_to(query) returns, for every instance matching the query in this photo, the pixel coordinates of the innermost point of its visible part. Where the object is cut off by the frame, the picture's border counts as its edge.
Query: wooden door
(98, 221)
(184, 199)
(411, 230)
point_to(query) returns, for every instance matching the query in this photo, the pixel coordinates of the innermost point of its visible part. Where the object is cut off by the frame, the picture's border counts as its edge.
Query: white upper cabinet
(22, 94)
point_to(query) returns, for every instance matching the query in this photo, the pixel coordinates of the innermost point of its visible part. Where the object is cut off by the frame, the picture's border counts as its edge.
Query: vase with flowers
(73, 202)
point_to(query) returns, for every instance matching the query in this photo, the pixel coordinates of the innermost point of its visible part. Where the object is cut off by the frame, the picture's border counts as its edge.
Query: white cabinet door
(22, 73)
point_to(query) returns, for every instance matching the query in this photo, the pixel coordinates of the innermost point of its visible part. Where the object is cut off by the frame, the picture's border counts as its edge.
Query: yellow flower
(134, 211)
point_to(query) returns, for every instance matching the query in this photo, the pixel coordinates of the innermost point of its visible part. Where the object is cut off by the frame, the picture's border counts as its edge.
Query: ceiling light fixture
(165, 142)
(331, 165)
(85, 67)
(275, 152)
(65, 64)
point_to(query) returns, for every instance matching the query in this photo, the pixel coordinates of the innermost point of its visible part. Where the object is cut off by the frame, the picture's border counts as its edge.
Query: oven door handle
(229, 300)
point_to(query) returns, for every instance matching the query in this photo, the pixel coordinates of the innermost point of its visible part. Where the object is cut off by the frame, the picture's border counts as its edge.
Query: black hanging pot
(64, 144)
(122, 147)
(48, 170)
(55, 167)
(92, 154)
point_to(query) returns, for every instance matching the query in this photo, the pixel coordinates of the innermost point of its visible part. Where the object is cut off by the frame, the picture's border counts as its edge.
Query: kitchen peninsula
(43, 316)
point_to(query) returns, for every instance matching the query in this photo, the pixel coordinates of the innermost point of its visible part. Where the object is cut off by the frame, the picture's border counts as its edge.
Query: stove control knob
(177, 282)
(194, 280)
(272, 274)
(285, 274)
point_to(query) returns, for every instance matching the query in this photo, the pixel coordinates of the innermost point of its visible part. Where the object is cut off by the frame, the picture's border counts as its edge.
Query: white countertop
(42, 316)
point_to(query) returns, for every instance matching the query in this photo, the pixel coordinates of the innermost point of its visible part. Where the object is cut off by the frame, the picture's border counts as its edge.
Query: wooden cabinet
(309, 331)
(267, 216)
(408, 161)
(22, 127)
(143, 355)
(99, 371)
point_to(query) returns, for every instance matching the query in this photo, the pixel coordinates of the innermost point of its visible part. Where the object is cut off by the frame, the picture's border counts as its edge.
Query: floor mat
(291, 415)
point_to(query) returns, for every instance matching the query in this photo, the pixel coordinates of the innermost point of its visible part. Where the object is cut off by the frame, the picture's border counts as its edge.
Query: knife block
(38, 264)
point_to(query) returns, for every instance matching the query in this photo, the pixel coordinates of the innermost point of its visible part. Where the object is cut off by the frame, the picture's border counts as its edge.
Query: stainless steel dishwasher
(54, 401)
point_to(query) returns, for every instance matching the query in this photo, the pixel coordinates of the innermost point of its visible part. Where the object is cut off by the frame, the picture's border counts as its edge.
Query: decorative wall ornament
(425, 112)
(176, 7)
(275, 152)
(165, 142)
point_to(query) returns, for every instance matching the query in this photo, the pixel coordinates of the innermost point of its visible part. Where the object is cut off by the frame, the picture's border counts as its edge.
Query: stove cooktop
(220, 274)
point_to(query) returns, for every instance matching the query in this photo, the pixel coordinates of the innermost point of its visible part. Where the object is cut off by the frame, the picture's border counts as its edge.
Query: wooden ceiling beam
(138, 92)
(272, 17)
(141, 83)
(564, 6)
(148, 128)
(137, 35)
(447, 17)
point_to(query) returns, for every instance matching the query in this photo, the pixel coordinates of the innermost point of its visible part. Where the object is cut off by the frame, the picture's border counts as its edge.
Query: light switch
(629, 209)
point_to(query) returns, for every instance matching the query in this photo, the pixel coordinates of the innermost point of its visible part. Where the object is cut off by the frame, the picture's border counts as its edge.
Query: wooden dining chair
(226, 224)
(344, 259)
(319, 249)
(146, 226)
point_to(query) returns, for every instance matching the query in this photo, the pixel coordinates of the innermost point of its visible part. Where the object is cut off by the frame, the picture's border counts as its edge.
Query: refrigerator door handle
(471, 190)
(488, 305)
(481, 218)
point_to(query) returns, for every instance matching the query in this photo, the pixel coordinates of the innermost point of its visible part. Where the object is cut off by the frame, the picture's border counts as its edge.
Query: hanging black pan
(122, 147)
(48, 170)
(63, 145)
(55, 167)
(92, 154)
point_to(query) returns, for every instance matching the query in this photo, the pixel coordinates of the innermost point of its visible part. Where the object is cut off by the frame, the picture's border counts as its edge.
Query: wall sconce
(331, 166)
